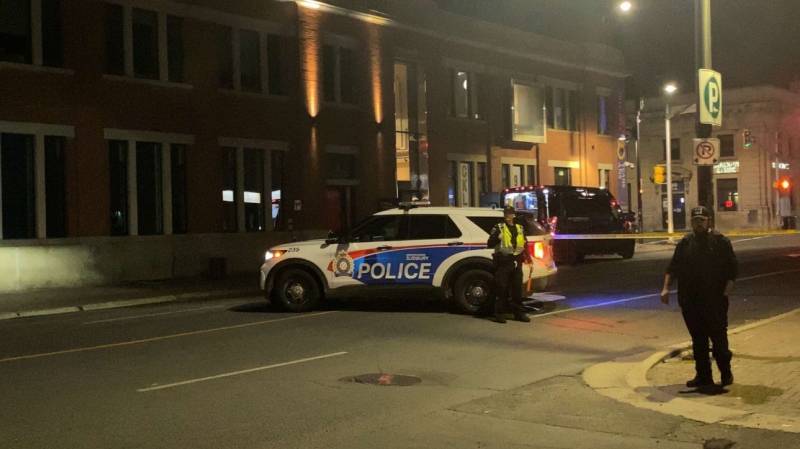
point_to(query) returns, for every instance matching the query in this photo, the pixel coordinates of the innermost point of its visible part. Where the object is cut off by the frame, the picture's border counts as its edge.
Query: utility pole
(702, 45)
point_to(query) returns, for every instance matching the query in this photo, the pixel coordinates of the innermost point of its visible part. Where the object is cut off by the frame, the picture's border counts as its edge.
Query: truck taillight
(553, 225)
(538, 250)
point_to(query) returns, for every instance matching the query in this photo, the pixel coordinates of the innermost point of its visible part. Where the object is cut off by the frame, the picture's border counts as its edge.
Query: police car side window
(486, 223)
(383, 228)
(432, 227)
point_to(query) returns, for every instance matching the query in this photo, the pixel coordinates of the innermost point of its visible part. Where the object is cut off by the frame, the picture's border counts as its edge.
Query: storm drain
(382, 379)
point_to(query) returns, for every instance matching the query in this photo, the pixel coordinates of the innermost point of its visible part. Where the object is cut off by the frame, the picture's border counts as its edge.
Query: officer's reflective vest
(506, 247)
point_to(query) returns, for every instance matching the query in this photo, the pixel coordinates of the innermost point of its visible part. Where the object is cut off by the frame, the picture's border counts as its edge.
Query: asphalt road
(238, 374)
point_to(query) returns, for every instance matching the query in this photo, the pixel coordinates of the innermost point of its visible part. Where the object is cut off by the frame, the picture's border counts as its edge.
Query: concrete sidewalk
(765, 394)
(66, 300)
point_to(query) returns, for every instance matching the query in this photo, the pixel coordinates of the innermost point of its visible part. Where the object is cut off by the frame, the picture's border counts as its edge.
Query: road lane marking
(752, 238)
(154, 314)
(619, 301)
(164, 337)
(236, 373)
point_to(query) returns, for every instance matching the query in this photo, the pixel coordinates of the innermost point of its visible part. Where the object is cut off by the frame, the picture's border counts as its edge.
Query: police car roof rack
(407, 205)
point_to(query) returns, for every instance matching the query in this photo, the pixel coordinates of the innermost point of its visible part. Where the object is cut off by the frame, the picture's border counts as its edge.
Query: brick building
(140, 138)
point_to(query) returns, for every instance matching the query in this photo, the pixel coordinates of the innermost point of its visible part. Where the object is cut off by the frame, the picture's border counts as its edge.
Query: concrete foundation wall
(103, 260)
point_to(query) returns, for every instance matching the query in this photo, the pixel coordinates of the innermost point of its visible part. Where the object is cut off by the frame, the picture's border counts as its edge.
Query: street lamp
(670, 89)
(625, 6)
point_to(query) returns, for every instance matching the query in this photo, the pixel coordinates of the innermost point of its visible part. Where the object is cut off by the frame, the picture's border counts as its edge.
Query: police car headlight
(273, 254)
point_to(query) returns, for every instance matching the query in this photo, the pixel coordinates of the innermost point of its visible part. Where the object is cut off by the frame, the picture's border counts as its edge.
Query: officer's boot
(519, 313)
(498, 311)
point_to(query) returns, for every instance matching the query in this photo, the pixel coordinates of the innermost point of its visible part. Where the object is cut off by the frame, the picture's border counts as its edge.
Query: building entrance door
(339, 211)
(678, 210)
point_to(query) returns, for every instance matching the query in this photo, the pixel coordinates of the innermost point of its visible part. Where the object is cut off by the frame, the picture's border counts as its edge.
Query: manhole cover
(389, 380)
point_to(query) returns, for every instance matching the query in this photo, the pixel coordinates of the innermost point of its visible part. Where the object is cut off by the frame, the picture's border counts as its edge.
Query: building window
(605, 178)
(278, 214)
(506, 168)
(118, 187)
(175, 49)
(338, 75)
(142, 55)
(528, 113)
(55, 186)
(149, 205)
(342, 166)
(256, 67)
(603, 105)
(563, 176)
(452, 183)
(18, 186)
(675, 149)
(145, 44)
(178, 184)
(22, 156)
(725, 145)
(250, 57)
(147, 187)
(254, 198)
(531, 175)
(17, 22)
(728, 195)
(562, 107)
(482, 181)
(464, 102)
(229, 189)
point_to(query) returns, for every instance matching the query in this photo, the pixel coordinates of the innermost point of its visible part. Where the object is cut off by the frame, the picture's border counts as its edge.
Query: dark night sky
(754, 41)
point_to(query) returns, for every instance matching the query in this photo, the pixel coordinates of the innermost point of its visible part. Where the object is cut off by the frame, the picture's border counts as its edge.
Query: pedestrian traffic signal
(748, 140)
(659, 174)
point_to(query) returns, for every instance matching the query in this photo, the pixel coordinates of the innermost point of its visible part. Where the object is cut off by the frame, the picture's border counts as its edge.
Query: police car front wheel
(472, 289)
(297, 291)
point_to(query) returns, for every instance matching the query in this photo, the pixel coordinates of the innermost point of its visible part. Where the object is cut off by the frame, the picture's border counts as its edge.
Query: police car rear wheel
(472, 289)
(297, 291)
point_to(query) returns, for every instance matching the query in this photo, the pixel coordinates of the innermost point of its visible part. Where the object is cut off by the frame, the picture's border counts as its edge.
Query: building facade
(142, 138)
(759, 145)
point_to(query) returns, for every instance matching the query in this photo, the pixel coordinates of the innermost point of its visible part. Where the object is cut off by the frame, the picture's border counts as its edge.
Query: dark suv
(576, 210)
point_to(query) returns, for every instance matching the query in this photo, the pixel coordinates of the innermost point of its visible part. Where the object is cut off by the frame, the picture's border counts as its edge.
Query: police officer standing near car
(510, 252)
(706, 267)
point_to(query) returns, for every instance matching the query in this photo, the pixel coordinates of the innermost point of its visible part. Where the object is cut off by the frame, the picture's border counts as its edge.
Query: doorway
(339, 208)
(678, 210)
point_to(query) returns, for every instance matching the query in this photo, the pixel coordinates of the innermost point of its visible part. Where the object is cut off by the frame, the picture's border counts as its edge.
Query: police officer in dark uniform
(510, 252)
(706, 267)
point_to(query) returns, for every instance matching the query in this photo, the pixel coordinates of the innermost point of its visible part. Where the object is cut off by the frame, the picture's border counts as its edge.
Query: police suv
(438, 248)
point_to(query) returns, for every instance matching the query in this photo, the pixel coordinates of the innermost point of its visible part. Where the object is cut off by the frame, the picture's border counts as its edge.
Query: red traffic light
(784, 184)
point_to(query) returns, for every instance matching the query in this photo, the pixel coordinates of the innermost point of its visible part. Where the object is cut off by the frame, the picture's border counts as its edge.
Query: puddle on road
(753, 394)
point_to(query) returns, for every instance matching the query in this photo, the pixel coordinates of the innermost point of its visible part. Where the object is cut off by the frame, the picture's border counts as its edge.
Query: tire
(297, 291)
(627, 252)
(472, 289)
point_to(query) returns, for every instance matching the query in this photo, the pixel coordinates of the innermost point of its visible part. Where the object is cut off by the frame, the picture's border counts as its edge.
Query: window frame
(338, 97)
(522, 137)
(717, 191)
(39, 47)
(473, 103)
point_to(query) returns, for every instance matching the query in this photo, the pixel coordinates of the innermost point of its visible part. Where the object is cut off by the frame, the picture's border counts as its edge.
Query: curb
(627, 382)
(130, 303)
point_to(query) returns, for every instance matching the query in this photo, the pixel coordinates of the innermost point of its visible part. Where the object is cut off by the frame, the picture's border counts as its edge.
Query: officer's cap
(509, 210)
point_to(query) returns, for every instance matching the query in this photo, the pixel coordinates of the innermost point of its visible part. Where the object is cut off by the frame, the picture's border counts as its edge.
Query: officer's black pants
(708, 322)
(508, 275)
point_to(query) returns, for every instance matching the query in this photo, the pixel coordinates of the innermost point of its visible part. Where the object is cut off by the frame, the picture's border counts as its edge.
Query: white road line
(236, 373)
(153, 314)
(619, 301)
(752, 238)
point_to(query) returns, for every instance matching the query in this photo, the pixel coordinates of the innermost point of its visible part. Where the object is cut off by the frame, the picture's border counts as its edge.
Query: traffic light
(659, 174)
(783, 185)
(748, 140)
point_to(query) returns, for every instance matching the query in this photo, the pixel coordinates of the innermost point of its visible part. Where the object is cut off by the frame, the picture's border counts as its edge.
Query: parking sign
(710, 100)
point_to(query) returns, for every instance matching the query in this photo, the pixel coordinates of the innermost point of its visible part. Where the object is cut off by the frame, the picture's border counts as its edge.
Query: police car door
(360, 260)
(433, 240)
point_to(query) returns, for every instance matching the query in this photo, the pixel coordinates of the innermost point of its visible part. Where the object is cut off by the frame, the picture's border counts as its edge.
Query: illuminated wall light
(309, 4)
(375, 61)
(309, 56)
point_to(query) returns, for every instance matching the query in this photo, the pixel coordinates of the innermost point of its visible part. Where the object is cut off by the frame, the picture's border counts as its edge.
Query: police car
(438, 248)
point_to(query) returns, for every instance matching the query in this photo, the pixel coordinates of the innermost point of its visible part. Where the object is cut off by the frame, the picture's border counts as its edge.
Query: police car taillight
(538, 250)
(553, 225)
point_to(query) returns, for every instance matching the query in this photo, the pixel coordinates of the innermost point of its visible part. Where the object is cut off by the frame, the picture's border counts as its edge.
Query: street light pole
(639, 223)
(668, 144)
